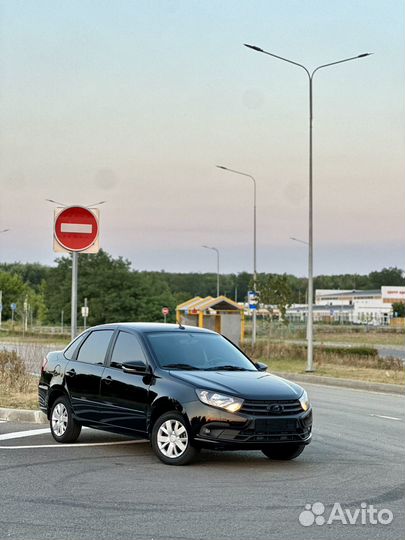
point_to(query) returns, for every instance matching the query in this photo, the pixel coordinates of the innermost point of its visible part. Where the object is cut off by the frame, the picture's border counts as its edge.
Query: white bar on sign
(77, 227)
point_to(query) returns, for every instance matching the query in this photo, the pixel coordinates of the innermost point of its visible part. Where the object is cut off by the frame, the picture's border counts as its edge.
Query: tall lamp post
(254, 317)
(217, 252)
(1, 292)
(310, 74)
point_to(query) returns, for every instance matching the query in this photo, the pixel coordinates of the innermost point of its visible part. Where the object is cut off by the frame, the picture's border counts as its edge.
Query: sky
(135, 102)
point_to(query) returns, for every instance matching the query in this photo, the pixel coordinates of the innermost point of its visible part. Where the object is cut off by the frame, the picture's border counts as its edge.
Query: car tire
(171, 439)
(283, 451)
(64, 427)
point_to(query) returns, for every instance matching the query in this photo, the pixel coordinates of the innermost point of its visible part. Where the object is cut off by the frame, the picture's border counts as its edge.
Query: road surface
(122, 491)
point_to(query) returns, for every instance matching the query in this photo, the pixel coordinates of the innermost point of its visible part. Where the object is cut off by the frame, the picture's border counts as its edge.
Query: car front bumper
(213, 427)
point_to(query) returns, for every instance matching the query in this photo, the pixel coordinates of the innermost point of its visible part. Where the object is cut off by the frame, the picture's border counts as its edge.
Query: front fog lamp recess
(229, 403)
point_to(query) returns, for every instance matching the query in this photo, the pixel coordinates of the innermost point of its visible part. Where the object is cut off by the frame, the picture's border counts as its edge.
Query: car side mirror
(260, 366)
(135, 366)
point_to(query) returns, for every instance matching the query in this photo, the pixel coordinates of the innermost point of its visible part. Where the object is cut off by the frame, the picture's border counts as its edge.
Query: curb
(385, 388)
(23, 415)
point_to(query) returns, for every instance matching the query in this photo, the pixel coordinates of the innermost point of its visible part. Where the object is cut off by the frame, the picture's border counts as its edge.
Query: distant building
(351, 306)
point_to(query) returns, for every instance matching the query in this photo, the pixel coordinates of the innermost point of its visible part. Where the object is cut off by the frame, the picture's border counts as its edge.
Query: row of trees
(117, 292)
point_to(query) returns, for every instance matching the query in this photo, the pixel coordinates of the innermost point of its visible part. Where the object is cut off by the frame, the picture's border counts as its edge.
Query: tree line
(117, 292)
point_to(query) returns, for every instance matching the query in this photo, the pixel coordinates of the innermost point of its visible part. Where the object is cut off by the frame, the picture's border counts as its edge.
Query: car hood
(245, 384)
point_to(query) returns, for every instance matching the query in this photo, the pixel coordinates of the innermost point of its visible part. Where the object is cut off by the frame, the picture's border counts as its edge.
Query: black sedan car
(184, 388)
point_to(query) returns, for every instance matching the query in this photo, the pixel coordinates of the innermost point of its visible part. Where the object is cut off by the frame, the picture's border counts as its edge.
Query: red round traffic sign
(76, 228)
(165, 311)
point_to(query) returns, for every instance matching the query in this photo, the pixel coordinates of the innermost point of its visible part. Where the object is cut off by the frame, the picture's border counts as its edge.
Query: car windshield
(197, 351)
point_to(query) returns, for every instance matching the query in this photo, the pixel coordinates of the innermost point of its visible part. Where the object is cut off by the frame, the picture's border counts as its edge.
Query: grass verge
(18, 389)
(341, 363)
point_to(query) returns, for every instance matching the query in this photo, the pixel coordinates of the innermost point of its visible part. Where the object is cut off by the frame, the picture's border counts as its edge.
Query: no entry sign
(76, 229)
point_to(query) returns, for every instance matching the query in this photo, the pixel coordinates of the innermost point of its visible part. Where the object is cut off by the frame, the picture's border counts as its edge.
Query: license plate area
(276, 425)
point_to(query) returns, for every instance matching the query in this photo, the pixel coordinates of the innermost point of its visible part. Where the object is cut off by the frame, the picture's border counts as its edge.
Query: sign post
(1, 305)
(13, 307)
(165, 313)
(76, 230)
(85, 313)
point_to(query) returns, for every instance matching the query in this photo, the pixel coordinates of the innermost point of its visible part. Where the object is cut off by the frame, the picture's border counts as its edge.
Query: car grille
(277, 429)
(274, 407)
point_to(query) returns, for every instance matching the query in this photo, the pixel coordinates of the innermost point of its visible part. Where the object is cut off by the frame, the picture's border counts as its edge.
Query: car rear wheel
(64, 427)
(171, 439)
(283, 451)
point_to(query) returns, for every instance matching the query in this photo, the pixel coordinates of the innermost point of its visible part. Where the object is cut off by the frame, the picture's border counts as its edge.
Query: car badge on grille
(275, 408)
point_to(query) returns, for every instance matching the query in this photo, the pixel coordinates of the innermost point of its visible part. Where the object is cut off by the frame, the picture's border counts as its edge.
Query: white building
(351, 306)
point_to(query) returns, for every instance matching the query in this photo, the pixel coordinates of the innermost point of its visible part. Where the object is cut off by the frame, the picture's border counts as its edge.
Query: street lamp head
(222, 167)
(364, 54)
(254, 47)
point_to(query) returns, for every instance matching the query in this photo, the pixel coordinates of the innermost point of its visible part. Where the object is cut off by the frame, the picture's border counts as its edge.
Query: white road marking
(74, 445)
(31, 432)
(386, 417)
(21, 434)
(76, 228)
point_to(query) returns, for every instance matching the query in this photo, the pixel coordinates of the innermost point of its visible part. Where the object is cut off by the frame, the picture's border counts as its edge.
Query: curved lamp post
(310, 74)
(254, 242)
(217, 252)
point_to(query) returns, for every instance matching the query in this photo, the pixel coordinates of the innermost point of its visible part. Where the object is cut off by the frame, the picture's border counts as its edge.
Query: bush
(13, 373)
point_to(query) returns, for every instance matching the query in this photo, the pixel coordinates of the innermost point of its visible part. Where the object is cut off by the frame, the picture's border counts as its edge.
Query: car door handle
(71, 373)
(107, 379)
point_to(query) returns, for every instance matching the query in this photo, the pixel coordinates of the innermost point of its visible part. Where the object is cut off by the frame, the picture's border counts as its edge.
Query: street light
(254, 242)
(310, 363)
(217, 252)
(4, 230)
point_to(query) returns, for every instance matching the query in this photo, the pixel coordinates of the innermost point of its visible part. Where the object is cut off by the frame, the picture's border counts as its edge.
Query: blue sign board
(13, 306)
(252, 299)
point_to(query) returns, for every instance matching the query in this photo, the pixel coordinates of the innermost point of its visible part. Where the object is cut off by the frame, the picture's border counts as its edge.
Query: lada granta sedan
(183, 388)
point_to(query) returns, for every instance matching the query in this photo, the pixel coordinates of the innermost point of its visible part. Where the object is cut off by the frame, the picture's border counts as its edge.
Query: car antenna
(180, 325)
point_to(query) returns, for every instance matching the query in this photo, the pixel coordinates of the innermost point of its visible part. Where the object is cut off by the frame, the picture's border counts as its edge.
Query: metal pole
(217, 252)
(75, 260)
(61, 320)
(85, 314)
(310, 360)
(254, 314)
(310, 366)
(254, 328)
(217, 271)
(1, 305)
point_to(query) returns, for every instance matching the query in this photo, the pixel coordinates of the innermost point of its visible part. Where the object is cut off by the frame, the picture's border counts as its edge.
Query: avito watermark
(366, 514)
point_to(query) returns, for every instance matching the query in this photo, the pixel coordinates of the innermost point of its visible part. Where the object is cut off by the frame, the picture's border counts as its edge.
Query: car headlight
(230, 403)
(304, 400)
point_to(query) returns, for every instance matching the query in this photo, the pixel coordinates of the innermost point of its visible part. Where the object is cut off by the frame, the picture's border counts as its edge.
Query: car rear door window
(95, 347)
(71, 349)
(127, 348)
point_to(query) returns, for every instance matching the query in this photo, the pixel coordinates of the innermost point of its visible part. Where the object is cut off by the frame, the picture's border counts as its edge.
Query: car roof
(146, 327)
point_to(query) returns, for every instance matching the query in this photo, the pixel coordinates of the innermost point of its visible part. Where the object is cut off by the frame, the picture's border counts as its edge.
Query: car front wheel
(283, 451)
(64, 428)
(171, 439)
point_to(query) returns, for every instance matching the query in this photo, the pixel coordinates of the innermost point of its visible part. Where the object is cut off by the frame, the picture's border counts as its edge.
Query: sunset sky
(135, 102)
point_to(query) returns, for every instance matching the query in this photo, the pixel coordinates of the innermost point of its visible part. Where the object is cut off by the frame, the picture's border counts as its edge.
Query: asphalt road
(121, 491)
